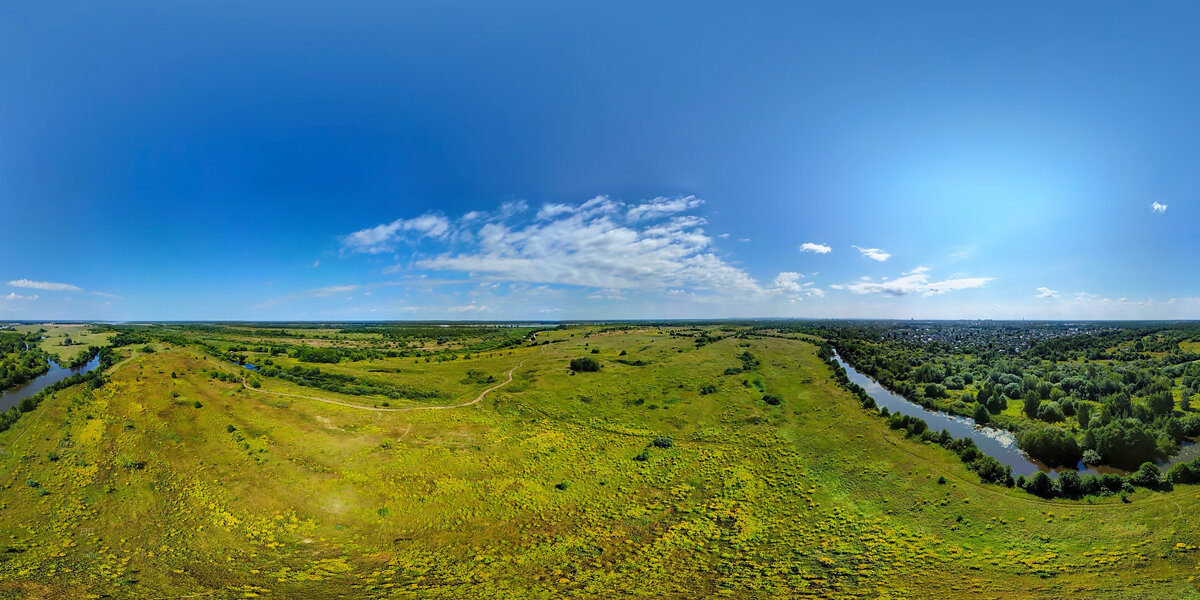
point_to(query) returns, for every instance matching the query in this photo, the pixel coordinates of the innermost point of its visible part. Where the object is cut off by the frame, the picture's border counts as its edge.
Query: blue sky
(449, 160)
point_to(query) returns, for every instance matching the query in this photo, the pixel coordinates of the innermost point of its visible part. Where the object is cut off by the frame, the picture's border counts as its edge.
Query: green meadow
(657, 476)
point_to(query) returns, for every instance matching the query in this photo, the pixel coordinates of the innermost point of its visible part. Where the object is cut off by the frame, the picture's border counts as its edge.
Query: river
(13, 396)
(997, 443)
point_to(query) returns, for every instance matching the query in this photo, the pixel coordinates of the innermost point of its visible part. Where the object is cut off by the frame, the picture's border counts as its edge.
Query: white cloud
(45, 285)
(1158, 208)
(549, 211)
(787, 281)
(382, 238)
(107, 295)
(913, 283)
(1045, 292)
(606, 295)
(468, 308)
(817, 248)
(16, 296)
(316, 263)
(662, 206)
(723, 235)
(585, 245)
(874, 253)
(917, 271)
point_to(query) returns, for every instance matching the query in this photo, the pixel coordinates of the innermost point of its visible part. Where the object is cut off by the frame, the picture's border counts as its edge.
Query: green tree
(1032, 403)
(1069, 484)
(1083, 412)
(585, 365)
(1147, 475)
(1040, 485)
(982, 416)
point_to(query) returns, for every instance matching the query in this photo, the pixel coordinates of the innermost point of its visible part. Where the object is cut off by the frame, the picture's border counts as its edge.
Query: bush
(127, 462)
(230, 428)
(197, 404)
(1040, 485)
(1070, 484)
(563, 485)
(643, 456)
(773, 400)
(585, 365)
(1091, 457)
(1147, 476)
(708, 388)
(663, 442)
(1050, 412)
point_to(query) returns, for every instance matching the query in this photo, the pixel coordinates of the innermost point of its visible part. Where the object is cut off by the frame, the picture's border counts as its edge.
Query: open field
(167, 482)
(81, 337)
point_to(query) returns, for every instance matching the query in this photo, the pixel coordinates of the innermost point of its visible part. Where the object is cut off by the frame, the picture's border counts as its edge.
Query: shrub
(708, 388)
(563, 485)
(585, 365)
(52, 456)
(128, 462)
(663, 442)
(1147, 476)
(230, 428)
(643, 456)
(197, 404)
(1050, 412)
(1069, 484)
(773, 400)
(1091, 457)
(1040, 485)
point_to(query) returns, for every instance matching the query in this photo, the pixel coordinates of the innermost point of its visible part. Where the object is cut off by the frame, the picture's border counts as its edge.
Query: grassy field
(81, 336)
(168, 483)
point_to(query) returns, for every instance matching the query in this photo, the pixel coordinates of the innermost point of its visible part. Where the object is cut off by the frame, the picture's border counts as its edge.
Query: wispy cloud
(788, 282)
(49, 286)
(383, 238)
(915, 282)
(1045, 292)
(602, 244)
(16, 296)
(1158, 208)
(661, 206)
(815, 248)
(874, 253)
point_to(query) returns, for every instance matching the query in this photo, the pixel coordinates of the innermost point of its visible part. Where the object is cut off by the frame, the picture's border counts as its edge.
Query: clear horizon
(402, 162)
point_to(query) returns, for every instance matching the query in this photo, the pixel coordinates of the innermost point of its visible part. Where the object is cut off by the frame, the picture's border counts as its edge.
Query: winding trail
(388, 409)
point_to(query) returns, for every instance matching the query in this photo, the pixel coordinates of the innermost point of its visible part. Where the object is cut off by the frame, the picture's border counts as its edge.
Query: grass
(534, 492)
(82, 336)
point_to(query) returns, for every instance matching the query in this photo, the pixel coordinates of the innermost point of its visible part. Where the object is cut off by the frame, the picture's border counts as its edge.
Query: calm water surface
(13, 396)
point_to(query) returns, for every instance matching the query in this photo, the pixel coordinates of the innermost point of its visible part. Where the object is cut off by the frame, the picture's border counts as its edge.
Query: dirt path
(404, 409)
